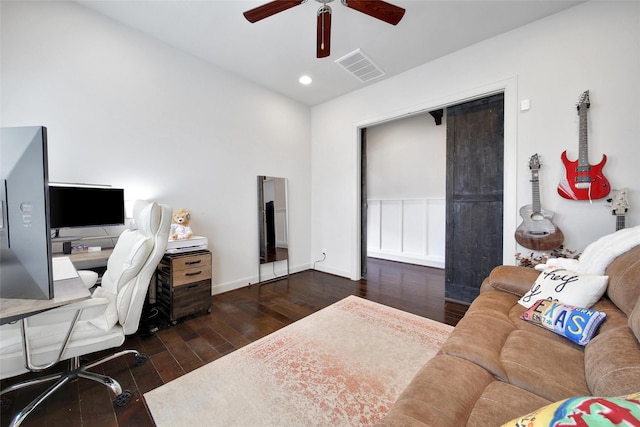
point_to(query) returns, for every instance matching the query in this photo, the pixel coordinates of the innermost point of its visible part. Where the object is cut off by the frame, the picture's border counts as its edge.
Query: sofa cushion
(612, 363)
(623, 289)
(441, 394)
(568, 287)
(480, 334)
(585, 411)
(634, 321)
(510, 279)
(615, 318)
(575, 323)
(546, 367)
(501, 402)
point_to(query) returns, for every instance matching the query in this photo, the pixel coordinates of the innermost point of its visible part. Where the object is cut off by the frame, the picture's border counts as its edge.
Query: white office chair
(96, 324)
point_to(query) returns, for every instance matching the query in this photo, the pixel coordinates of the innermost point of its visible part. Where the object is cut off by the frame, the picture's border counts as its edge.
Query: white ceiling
(274, 52)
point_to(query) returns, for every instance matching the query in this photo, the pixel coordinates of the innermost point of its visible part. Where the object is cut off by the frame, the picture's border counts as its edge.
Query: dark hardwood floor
(237, 318)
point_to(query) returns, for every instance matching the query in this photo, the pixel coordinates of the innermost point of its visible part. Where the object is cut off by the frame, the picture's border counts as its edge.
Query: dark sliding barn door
(475, 165)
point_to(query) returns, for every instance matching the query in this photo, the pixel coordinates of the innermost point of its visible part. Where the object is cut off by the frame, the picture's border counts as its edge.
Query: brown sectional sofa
(495, 367)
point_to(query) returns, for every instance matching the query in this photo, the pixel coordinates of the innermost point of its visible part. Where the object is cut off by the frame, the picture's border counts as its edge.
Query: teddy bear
(180, 228)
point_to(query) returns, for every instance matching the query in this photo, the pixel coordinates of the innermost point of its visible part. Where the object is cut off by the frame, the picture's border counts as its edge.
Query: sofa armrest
(510, 279)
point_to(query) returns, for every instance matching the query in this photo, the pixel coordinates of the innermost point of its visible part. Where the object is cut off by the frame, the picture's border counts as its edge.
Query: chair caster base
(123, 398)
(141, 359)
(76, 370)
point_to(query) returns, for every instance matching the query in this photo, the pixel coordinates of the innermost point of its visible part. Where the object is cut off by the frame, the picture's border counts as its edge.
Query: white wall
(406, 158)
(125, 110)
(595, 46)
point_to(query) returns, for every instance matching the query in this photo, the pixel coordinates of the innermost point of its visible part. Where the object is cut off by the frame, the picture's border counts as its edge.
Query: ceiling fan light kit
(378, 9)
(305, 80)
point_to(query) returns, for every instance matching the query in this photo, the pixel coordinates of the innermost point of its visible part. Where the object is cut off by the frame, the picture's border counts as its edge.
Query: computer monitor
(25, 240)
(85, 206)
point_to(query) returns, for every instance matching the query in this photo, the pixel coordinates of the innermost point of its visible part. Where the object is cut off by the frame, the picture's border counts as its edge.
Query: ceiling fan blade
(379, 9)
(269, 9)
(324, 32)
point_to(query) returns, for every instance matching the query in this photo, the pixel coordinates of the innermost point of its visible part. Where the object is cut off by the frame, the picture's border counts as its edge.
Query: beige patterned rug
(344, 365)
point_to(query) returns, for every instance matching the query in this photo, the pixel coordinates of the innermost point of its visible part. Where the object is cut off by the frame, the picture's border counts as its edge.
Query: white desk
(87, 260)
(65, 291)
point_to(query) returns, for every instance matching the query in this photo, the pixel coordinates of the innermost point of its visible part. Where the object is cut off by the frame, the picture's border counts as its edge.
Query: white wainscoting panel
(391, 225)
(411, 231)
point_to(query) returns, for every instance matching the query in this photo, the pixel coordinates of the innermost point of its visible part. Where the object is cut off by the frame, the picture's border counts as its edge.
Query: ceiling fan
(376, 8)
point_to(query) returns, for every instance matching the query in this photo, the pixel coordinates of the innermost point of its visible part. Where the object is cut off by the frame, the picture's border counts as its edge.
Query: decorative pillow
(584, 411)
(568, 287)
(576, 323)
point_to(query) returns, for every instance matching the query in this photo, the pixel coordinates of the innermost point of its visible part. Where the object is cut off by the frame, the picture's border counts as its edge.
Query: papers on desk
(63, 268)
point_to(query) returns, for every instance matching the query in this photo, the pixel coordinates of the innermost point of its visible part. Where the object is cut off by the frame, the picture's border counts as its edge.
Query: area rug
(344, 365)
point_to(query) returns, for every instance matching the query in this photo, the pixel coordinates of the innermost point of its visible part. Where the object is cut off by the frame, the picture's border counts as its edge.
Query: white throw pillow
(567, 287)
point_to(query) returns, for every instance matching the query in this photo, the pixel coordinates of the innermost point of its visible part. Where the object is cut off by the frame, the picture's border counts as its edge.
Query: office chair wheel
(123, 398)
(141, 359)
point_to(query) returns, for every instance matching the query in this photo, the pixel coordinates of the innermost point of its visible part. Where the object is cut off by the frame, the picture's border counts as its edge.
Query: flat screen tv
(75, 206)
(25, 255)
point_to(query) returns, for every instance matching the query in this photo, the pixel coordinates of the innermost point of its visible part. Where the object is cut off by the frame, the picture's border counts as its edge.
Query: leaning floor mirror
(273, 228)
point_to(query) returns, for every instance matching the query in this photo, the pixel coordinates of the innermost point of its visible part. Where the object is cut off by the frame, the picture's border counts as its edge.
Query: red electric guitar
(582, 181)
(537, 231)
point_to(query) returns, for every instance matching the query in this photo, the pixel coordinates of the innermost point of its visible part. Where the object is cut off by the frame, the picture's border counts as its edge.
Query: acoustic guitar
(582, 181)
(620, 207)
(537, 231)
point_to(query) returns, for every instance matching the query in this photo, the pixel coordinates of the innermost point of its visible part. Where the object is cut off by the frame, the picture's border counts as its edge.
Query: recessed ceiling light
(305, 80)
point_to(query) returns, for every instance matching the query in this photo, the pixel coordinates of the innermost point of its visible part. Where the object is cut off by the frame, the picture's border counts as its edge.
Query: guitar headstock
(534, 162)
(619, 203)
(583, 101)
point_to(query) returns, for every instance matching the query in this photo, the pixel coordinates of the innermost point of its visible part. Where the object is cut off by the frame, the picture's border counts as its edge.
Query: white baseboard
(436, 262)
(327, 269)
(220, 288)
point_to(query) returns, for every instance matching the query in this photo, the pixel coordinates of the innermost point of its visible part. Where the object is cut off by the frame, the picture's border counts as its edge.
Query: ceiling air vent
(360, 66)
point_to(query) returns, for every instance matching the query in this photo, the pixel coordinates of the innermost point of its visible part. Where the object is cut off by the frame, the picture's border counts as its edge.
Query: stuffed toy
(180, 225)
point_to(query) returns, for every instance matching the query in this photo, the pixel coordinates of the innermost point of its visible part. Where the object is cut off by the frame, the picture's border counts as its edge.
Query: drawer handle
(193, 262)
(194, 274)
(193, 286)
